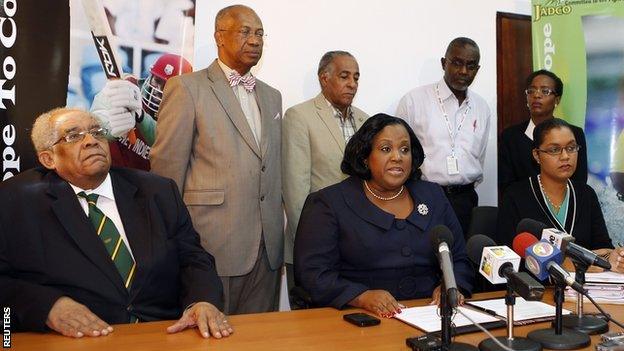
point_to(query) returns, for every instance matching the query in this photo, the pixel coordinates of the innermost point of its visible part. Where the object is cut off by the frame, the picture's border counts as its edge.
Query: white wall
(397, 43)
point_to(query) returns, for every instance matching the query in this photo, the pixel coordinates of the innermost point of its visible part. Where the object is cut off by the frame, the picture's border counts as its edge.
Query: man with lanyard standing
(452, 123)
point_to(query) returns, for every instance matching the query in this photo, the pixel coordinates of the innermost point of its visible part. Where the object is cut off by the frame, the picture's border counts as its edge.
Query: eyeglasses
(542, 91)
(471, 66)
(245, 33)
(558, 150)
(76, 136)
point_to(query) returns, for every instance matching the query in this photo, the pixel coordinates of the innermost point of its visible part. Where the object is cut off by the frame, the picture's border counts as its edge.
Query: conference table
(311, 329)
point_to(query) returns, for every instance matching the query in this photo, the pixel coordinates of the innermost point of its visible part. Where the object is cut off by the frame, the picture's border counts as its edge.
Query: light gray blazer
(312, 150)
(231, 187)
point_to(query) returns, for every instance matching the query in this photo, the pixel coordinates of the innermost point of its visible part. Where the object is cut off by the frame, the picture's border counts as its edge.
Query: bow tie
(248, 81)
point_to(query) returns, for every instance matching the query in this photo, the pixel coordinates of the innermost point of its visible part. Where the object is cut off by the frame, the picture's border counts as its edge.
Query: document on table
(427, 318)
(523, 309)
(604, 277)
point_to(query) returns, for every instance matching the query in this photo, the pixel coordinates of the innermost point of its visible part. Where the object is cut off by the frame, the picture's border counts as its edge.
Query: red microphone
(522, 241)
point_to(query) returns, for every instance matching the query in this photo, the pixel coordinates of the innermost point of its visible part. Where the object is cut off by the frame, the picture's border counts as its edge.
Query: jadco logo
(551, 8)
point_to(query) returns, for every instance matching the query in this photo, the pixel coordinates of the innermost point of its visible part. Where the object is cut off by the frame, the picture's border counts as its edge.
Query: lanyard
(448, 123)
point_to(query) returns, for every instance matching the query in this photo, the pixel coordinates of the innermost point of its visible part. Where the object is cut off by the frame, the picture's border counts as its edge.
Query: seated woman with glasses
(552, 198)
(543, 94)
(365, 241)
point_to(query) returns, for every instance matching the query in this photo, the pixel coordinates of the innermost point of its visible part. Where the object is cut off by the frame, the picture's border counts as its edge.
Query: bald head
(232, 13)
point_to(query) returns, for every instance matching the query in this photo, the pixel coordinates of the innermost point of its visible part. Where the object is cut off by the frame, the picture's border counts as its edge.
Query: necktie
(106, 230)
(248, 81)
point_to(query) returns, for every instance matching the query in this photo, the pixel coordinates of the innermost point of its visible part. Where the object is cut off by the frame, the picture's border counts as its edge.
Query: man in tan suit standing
(218, 137)
(314, 136)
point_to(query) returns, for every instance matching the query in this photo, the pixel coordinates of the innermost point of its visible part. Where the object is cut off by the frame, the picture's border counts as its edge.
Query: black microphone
(532, 226)
(574, 251)
(582, 255)
(520, 282)
(560, 275)
(441, 242)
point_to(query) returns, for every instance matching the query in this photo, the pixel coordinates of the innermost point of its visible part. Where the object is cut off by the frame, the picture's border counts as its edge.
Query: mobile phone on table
(361, 319)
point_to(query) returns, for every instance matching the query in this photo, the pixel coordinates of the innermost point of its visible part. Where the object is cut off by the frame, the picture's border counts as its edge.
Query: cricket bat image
(103, 40)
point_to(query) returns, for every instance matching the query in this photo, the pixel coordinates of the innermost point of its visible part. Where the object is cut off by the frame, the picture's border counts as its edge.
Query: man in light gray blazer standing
(218, 137)
(314, 136)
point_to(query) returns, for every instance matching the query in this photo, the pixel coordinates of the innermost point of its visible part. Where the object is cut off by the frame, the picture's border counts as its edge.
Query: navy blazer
(49, 249)
(346, 245)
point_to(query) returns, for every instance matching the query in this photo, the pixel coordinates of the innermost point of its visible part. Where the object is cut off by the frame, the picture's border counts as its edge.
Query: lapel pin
(423, 209)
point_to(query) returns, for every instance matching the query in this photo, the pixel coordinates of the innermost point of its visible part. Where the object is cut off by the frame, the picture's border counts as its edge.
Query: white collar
(227, 70)
(529, 131)
(105, 189)
(446, 92)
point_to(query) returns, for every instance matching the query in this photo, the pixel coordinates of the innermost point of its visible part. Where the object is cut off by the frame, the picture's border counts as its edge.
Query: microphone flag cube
(539, 255)
(492, 258)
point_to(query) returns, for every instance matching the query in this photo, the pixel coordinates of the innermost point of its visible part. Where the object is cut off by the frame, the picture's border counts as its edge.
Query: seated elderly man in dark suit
(83, 246)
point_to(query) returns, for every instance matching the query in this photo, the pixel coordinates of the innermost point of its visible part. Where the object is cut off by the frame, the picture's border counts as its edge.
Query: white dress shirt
(529, 131)
(422, 111)
(106, 204)
(248, 103)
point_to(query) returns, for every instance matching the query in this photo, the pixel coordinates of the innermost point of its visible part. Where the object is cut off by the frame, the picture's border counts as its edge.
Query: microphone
(561, 276)
(441, 241)
(522, 241)
(582, 255)
(538, 258)
(564, 242)
(499, 264)
(529, 225)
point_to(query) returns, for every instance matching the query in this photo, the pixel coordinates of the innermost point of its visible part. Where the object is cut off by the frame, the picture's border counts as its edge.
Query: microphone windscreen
(475, 245)
(532, 226)
(522, 241)
(439, 234)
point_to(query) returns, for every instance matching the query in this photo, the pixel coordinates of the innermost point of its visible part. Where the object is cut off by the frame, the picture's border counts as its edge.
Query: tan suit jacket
(312, 150)
(231, 186)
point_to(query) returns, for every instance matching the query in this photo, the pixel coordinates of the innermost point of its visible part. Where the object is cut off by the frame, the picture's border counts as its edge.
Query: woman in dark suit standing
(515, 162)
(364, 242)
(553, 198)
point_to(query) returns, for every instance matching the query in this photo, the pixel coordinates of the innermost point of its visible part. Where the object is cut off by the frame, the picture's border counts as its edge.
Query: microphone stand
(446, 316)
(583, 323)
(518, 343)
(559, 338)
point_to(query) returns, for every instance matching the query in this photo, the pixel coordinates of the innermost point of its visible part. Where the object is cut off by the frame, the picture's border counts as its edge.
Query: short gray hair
(328, 58)
(44, 132)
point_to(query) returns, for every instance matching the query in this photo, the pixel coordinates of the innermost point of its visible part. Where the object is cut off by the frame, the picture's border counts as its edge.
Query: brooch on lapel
(423, 209)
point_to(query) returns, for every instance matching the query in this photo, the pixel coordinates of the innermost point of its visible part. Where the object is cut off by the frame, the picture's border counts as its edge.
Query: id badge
(452, 166)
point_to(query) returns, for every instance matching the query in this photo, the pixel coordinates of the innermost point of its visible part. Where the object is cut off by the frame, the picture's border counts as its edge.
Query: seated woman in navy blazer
(364, 242)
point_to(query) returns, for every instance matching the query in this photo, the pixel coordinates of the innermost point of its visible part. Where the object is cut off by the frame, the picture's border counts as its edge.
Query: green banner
(582, 41)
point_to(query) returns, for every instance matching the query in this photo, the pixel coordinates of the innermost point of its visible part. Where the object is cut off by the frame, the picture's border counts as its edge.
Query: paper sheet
(604, 277)
(523, 309)
(427, 318)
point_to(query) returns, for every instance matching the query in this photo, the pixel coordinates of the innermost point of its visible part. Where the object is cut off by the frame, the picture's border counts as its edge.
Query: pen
(482, 309)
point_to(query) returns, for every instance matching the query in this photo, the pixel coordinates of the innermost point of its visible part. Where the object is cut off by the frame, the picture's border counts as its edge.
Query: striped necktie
(106, 230)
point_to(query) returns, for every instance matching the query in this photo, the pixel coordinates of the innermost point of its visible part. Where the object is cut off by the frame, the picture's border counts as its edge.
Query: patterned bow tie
(248, 81)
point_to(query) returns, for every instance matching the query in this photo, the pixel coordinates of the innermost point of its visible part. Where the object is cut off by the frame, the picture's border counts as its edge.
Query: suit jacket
(515, 160)
(312, 150)
(232, 187)
(584, 219)
(346, 245)
(49, 249)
